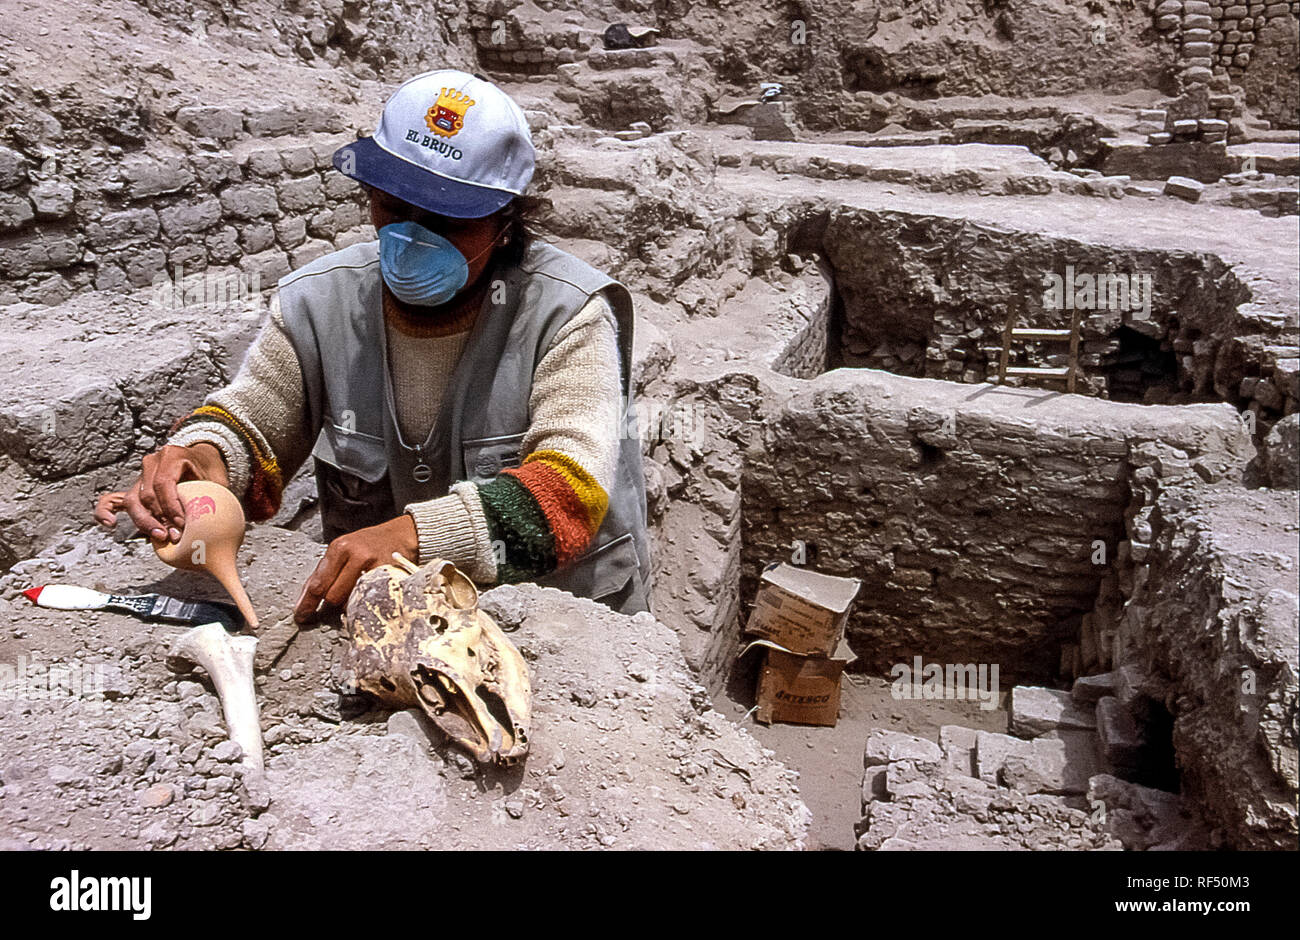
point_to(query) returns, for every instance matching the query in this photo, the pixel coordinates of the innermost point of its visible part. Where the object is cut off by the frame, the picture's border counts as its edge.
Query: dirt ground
(829, 761)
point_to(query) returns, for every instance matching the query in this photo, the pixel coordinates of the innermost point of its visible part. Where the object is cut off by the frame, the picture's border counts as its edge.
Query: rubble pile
(120, 753)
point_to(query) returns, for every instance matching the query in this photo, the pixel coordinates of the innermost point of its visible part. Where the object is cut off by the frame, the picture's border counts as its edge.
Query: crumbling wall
(387, 39)
(249, 195)
(129, 365)
(1251, 43)
(119, 169)
(981, 522)
(981, 791)
(626, 750)
(842, 58)
(929, 296)
(1202, 622)
(1269, 77)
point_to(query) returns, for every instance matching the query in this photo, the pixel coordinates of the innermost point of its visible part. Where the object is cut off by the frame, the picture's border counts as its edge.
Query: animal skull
(419, 639)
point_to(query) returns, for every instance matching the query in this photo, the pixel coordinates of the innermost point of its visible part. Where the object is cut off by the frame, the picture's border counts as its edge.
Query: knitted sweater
(522, 524)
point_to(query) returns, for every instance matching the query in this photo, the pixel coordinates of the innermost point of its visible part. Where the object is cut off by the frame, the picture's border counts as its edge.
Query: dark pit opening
(1142, 369)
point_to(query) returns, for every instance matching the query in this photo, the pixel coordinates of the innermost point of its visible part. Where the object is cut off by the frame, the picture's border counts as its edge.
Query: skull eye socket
(454, 588)
(496, 707)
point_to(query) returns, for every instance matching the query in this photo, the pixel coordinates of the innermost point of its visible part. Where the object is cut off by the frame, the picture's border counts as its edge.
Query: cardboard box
(801, 610)
(801, 690)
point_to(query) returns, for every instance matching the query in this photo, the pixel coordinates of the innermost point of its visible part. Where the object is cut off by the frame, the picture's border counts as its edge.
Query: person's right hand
(152, 501)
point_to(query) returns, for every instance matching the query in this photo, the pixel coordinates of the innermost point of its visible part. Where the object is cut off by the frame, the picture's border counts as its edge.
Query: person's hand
(350, 556)
(152, 501)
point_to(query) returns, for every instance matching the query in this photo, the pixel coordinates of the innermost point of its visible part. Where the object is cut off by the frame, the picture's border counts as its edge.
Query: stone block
(80, 423)
(142, 267)
(249, 201)
(958, 746)
(1120, 736)
(309, 251)
(13, 168)
(1203, 161)
(1035, 711)
(338, 186)
(215, 169)
(15, 211)
(52, 199)
(215, 122)
(290, 231)
(874, 785)
(266, 266)
(991, 753)
(298, 159)
(905, 779)
(39, 253)
(886, 746)
(271, 122)
(1088, 689)
(256, 236)
(1184, 188)
(1060, 762)
(189, 218)
(146, 176)
(301, 195)
(223, 245)
(323, 151)
(263, 161)
(122, 229)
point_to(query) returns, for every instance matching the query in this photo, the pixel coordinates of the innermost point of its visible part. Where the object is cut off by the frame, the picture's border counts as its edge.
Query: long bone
(228, 660)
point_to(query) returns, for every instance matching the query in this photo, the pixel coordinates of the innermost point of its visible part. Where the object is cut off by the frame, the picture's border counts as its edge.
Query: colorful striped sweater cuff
(453, 527)
(223, 439)
(544, 514)
(265, 484)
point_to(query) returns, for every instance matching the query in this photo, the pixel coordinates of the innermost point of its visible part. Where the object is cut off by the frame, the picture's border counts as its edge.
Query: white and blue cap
(448, 142)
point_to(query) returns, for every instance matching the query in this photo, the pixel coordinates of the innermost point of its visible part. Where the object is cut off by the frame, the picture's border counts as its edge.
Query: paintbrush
(144, 606)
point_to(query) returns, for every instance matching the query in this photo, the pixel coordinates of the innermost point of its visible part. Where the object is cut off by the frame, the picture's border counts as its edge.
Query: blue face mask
(419, 266)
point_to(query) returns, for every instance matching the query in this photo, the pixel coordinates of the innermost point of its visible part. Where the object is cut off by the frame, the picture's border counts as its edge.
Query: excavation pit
(990, 524)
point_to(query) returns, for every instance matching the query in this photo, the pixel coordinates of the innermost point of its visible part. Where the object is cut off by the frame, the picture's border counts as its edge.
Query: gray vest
(333, 312)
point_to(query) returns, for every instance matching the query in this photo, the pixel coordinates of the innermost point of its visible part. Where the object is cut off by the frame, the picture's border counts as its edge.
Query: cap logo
(447, 116)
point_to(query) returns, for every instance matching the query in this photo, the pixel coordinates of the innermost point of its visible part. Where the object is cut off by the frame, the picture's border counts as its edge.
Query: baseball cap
(448, 142)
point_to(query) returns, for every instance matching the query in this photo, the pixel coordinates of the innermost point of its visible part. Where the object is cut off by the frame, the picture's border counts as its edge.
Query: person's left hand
(350, 556)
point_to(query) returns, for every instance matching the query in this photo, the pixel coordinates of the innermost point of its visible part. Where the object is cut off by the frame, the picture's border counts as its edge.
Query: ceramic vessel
(214, 530)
